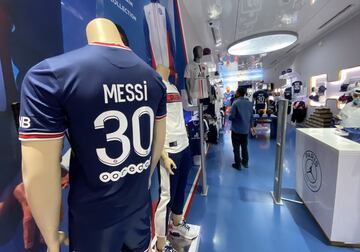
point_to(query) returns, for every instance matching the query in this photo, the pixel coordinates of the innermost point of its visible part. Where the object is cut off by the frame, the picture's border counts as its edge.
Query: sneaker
(237, 167)
(183, 230)
(167, 248)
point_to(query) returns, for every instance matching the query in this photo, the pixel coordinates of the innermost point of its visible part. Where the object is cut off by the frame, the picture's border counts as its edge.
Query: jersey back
(108, 99)
(197, 74)
(260, 98)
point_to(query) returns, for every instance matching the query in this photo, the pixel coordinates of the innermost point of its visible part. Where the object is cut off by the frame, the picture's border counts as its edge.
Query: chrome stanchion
(280, 146)
(202, 150)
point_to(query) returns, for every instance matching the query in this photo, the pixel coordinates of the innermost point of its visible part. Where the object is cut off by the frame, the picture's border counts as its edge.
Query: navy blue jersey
(260, 98)
(297, 86)
(288, 93)
(108, 99)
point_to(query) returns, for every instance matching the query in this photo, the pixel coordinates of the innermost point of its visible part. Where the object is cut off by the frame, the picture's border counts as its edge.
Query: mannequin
(196, 78)
(42, 139)
(175, 164)
(260, 98)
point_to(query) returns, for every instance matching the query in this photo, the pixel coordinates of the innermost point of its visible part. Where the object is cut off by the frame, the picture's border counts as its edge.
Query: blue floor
(239, 215)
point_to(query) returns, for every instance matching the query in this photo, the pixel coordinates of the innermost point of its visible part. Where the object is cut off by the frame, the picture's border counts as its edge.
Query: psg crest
(312, 171)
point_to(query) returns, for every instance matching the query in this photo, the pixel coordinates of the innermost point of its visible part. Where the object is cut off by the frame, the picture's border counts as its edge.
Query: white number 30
(119, 136)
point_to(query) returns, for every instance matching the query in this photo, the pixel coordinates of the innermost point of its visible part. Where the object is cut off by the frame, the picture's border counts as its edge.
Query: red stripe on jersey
(40, 136)
(173, 97)
(111, 44)
(160, 117)
(153, 61)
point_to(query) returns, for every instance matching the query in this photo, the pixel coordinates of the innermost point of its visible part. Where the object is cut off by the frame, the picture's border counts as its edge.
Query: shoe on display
(167, 248)
(237, 167)
(183, 230)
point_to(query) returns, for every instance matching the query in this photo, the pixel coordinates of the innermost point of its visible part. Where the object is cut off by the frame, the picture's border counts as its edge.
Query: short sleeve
(187, 72)
(41, 116)
(161, 110)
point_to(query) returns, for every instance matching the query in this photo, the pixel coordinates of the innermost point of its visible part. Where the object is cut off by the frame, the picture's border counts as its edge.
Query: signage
(312, 171)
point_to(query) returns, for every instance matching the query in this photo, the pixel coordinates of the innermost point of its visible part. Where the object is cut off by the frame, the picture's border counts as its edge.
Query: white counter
(328, 181)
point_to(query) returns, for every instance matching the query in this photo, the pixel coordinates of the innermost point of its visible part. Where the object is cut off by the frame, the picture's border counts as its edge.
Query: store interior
(184, 65)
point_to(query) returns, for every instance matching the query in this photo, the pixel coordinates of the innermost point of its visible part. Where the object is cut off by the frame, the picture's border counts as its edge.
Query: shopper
(241, 115)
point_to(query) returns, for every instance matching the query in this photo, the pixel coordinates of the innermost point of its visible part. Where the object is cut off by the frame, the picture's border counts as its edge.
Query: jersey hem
(33, 136)
(160, 117)
(39, 139)
(175, 151)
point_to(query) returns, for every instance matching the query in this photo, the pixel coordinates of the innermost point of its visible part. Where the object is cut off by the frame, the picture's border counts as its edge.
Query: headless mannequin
(168, 163)
(198, 53)
(41, 159)
(164, 72)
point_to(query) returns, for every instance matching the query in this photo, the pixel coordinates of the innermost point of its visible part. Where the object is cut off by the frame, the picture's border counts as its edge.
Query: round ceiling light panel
(263, 43)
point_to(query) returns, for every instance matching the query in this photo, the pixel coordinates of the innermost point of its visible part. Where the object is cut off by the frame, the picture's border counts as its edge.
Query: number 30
(119, 136)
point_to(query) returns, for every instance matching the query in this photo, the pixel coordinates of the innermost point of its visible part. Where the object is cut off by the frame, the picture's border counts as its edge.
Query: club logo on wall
(312, 171)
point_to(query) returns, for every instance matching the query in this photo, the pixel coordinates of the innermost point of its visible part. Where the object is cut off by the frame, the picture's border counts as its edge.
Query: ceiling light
(263, 43)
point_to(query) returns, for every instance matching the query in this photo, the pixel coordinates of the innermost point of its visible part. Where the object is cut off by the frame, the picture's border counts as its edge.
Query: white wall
(337, 50)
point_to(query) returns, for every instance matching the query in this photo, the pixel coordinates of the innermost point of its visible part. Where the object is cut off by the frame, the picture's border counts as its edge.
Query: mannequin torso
(82, 91)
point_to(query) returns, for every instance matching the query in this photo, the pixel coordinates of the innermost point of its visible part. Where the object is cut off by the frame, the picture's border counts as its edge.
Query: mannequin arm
(168, 162)
(158, 142)
(42, 181)
(187, 88)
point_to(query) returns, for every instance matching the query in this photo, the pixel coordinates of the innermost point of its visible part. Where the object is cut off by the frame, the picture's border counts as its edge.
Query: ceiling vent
(334, 17)
(292, 48)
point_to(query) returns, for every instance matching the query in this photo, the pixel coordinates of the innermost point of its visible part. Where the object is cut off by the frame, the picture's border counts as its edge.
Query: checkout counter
(328, 181)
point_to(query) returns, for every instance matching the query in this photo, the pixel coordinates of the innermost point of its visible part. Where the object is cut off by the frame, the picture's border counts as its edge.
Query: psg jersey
(176, 135)
(297, 86)
(260, 98)
(288, 93)
(107, 99)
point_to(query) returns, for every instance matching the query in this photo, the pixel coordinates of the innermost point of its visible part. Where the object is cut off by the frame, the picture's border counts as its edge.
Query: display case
(328, 181)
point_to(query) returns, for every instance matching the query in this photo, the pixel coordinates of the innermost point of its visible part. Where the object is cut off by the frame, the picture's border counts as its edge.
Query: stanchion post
(202, 150)
(280, 147)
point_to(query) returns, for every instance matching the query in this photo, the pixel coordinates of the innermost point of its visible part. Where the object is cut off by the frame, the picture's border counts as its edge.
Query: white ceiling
(242, 18)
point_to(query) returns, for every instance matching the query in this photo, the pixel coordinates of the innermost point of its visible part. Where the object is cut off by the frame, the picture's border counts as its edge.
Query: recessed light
(263, 43)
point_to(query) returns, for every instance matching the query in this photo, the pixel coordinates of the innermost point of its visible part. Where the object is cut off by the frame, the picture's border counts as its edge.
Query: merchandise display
(196, 76)
(321, 118)
(327, 172)
(117, 182)
(162, 125)
(260, 98)
(350, 114)
(297, 85)
(159, 35)
(288, 93)
(174, 168)
(299, 112)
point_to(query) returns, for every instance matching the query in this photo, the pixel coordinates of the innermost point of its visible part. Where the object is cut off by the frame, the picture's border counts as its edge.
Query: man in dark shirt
(241, 114)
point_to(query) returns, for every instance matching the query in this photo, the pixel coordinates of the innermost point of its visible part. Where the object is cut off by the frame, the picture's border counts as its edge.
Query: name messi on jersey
(125, 92)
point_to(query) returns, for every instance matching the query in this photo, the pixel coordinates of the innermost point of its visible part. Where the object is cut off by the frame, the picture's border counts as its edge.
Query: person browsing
(240, 116)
